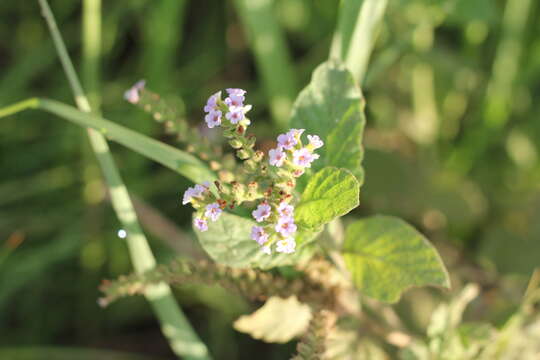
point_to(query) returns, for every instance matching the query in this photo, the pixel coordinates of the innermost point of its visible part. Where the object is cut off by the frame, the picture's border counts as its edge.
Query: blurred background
(452, 91)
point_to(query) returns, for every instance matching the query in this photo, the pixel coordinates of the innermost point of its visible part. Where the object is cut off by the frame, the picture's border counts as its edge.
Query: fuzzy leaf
(278, 320)
(332, 106)
(386, 256)
(228, 241)
(330, 193)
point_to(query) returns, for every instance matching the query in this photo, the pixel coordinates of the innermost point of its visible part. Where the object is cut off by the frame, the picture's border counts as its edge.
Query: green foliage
(332, 106)
(278, 320)
(228, 241)
(386, 256)
(329, 193)
(68, 353)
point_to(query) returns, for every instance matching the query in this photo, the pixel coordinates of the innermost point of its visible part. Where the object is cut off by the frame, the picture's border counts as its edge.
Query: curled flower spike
(133, 93)
(262, 212)
(274, 188)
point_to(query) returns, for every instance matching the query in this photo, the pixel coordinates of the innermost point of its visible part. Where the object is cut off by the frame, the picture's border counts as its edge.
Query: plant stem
(182, 338)
(356, 34)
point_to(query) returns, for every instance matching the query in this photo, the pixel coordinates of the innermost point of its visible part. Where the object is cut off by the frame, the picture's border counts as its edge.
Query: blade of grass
(271, 54)
(182, 338)
(498, 101)
(177, 160)
(356, 34)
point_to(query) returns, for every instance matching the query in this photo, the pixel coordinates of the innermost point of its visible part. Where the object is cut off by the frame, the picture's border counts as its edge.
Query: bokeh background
(452, 90)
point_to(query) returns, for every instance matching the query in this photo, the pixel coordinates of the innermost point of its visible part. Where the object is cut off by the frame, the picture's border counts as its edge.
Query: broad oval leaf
(332, 106)
(228, 241)
(278, 320)
(385, 256)
(329, 193)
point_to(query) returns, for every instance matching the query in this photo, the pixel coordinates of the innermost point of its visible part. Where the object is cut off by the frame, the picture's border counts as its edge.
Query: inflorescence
(268, 183)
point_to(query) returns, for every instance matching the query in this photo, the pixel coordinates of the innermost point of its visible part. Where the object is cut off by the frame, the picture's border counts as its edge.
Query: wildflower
(213, 118)
(266, 250)
(277, 157)
(213, 211)
(236, 98)
(285, 210)
(133, 93)
(188, 194)
(200, 189)
(287, 141)
(259, 235)
(315, 141)
(235, 115)
(262, 212)
(296, 133)
(200, 224)
(286, 226)
(303, 157)
(212, 102)
(286, 246)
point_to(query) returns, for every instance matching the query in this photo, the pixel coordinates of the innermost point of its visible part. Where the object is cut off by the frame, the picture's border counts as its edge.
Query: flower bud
(258, 156)
(235, 143)
(242, 154)
(250, 165)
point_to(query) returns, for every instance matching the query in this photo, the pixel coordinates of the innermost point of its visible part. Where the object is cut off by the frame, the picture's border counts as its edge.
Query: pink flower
(133, 93)
(262, 212)
(212, 102)
(213, 118)
(296, 133)
(236, 98)
(286, 246)
(287, 141)
(200, 224)
(285, 210)
(213, 211)
(188, 194)
(286, 226)
(235, 115)
(259, 235)
(304, 157)
(315, 141)
(277, 157)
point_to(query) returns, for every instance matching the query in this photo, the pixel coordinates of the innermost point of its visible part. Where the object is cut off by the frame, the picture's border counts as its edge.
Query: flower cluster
(233, 107)
(204, 201)
(272, 187)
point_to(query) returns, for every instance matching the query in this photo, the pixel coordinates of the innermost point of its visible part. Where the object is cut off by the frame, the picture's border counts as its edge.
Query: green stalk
(271, 54)
(182, 338)
(356, 33)
(500, 90)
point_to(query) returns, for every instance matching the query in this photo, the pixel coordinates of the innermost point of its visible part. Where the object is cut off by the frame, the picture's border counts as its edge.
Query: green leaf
(278, 320)
(330, 193)
(332, 106)
(228, 241)
(386, 256)
(177, 160)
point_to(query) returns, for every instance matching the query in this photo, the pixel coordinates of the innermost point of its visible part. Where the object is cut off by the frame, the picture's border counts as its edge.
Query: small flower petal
(286, 246)
(287, 141)
(213, 118)
(200, 224)
(259, 235)
(213, 211)
(262, 212)
(286, 226)
(276, 157)
(315, 141)
(235, 115)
